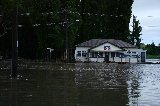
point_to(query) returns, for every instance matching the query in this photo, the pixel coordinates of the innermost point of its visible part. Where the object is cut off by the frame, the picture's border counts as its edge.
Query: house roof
(97, 42)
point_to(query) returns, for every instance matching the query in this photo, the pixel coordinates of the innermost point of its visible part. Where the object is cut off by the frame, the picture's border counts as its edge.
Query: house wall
(138, 52)
(109, 48)
(81, 58)
(116, 59)
(96, 59)
(132, 60)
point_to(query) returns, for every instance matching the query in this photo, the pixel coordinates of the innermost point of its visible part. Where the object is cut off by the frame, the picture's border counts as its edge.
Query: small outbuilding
(108, 50)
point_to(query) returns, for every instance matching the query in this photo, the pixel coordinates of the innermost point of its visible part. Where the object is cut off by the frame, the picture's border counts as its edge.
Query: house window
(84, 54)
(78, 53)
(119, 54)
(100, 54)
(94, 54)
(113, 54)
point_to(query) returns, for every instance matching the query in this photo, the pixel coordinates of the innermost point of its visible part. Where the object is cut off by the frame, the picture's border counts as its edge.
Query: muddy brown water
(81, 84)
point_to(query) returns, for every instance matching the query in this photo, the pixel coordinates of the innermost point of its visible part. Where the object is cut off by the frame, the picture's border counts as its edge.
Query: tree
(136, 32)
(118, 16)
(152, 49)
(53, 23)
(105, 19)
(7, 11)
(66, 31)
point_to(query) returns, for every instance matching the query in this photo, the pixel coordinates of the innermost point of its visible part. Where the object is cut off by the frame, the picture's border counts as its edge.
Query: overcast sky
(148, 13)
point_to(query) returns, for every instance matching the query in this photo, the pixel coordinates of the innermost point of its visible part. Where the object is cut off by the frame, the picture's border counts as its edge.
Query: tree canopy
(62, 23)
(136, 32)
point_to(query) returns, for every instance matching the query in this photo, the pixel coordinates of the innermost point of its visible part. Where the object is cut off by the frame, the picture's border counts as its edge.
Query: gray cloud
(148, 13)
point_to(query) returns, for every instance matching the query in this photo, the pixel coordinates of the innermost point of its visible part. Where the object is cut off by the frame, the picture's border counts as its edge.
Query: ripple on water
(93, 84)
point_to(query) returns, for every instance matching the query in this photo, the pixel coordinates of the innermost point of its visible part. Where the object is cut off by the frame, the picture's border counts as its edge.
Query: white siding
(101, 48)
(81, 58)
(138, 52)
(112, 49)
(132, 60)
(96, 59)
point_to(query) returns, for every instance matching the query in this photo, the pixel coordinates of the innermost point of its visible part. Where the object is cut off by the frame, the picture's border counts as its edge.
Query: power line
(74, 12)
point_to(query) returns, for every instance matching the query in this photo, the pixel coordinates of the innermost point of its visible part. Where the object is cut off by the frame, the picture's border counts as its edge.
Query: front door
(106, 58)
(143, 56)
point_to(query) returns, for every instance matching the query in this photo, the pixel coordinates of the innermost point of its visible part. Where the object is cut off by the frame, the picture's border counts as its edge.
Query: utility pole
(66, 32)
(66, 46)
(67, 43)
(133, 33)
(15, 43)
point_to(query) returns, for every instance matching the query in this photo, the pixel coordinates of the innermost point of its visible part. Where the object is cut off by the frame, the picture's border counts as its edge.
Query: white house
(108, 50)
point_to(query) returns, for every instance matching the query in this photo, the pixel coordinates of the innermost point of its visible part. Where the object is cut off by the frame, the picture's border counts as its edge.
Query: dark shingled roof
(97, 42)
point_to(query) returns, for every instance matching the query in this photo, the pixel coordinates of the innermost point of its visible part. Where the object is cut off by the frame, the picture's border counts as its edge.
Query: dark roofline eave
(82, 46)
(129, 47)
(98, 45)
(92, 47)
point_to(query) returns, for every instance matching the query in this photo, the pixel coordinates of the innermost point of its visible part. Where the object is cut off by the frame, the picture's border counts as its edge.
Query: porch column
(97, 56)
(88, 55)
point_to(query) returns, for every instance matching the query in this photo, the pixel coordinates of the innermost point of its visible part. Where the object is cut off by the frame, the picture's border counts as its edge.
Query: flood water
(81, 84)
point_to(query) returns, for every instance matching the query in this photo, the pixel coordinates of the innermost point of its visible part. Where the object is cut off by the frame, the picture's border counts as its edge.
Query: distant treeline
(61, 24)
(152, 49)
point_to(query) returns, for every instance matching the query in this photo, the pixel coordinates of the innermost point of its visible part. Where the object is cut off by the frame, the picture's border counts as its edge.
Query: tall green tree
(151, 49)
(7, 11)
(136, 32)
(61, 24)
(66, 31)
(58, 24)
(105, 19)
(119, 13)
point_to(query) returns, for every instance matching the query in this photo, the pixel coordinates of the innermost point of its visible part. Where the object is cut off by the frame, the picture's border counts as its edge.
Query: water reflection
(88, 84)
(102, 85)
(44, 87)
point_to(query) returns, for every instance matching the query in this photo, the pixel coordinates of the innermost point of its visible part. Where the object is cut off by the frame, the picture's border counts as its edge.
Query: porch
(119, 56)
